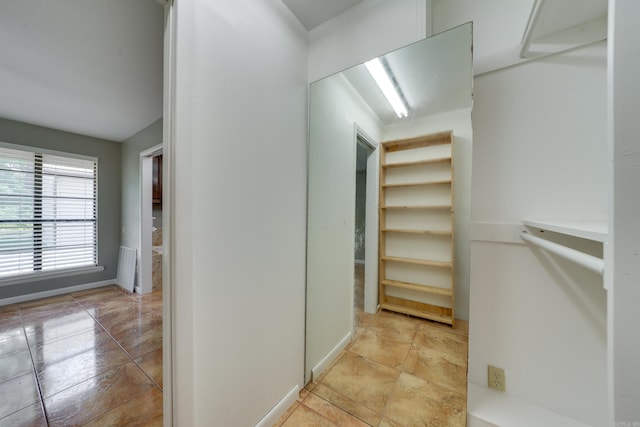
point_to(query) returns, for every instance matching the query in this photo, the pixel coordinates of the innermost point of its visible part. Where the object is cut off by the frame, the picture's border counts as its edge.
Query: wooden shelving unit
(416, 227)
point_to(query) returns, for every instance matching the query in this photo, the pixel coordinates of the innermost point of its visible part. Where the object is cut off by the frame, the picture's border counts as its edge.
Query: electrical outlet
(496, 378)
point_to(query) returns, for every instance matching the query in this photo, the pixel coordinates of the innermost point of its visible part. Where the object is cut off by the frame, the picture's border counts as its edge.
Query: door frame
(145, 282)
(371, 219)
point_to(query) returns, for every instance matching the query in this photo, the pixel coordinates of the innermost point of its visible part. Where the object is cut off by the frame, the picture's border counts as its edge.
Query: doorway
(366, 226)
(150, 220)
(359, 244)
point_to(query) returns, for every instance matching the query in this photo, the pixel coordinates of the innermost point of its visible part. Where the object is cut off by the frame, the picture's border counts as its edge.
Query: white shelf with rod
(589, 230)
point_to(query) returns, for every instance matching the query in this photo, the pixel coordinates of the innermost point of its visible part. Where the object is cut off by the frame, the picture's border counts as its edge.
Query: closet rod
(588, 261)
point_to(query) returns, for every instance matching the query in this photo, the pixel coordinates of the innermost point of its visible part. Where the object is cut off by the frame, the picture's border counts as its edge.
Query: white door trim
(371, 222)
(145, 283)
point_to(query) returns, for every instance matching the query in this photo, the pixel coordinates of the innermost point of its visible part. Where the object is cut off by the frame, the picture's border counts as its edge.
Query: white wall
(369, 29)
(539, 153)
(334, 108)
(539, 132)
(497, 24)
(238, 226)
(460, 122)
(624, 128)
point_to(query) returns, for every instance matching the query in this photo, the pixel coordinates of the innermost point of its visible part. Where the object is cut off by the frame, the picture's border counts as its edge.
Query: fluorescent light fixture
(383, 80)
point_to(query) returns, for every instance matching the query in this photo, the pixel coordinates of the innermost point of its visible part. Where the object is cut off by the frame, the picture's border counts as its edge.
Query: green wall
(109, 197)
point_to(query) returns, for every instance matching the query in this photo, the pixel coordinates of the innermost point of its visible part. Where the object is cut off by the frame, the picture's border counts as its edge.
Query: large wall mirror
(349, 119)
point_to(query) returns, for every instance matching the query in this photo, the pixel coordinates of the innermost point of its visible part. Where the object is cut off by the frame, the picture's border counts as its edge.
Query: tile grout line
(33, 370)
(119, 345)
(395, 386)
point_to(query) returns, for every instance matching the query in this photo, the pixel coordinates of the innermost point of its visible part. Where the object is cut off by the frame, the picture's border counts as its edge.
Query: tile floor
(87, 358)
(397, 371)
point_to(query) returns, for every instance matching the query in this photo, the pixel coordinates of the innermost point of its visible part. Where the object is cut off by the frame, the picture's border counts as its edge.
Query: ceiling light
(382, 78)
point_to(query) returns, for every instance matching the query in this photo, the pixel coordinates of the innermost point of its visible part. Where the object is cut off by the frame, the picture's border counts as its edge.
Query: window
(47, 212)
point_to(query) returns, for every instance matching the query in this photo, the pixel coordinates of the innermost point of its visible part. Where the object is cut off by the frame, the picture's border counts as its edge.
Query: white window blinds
(47, 212)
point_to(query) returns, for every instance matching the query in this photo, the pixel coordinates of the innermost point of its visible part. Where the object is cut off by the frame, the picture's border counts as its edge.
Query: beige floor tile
(64, 363)
(286, 415)
(363, 319)
(385, 350)
(151, 364)
(47, 303)
(416, 402)
(139, 343)
(96, 396)
(364, 381)
(9, 314)
(437, 366)
(332, 412)
(12, 339)
(442, 340)
(103, 291)
(347, 404)
(31, 416)
(54, 327)
(142, 410)
(303, 416)
(18, 393)
(461, 328)
(84, 374)
(386, 422)
(398, 327)
(48, 308)
(15, 364)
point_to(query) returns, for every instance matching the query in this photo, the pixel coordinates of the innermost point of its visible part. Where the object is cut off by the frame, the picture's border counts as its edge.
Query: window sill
(45, 275)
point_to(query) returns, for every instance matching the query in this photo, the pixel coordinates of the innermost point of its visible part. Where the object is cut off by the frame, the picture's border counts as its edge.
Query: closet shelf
(420, 288)
(590, 230)
(427, 262)
(417, 163)
(417, 207)
(429, 232)
(426, 206)
(418, 184)
(442, 318)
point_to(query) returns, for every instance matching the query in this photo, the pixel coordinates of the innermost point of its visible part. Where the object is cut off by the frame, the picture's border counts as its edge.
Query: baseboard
(489, 408)
(280, 408)
(330, 357)
(54, 292)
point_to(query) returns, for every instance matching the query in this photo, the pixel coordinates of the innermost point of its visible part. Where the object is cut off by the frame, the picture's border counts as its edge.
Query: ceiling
(314, 12)
(435, 76)
(92, 67)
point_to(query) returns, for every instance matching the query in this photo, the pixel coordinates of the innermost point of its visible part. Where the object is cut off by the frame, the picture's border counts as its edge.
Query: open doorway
(365, 294)
(359, 244)
(151, 249)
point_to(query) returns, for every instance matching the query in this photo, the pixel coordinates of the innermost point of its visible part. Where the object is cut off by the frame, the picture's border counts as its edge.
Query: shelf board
(417, 184)
(418, 207)
(446, 159)
(418, 313)
(420, 288)
(440, 138)
(431, 232)
(590, 230)
(430, 263)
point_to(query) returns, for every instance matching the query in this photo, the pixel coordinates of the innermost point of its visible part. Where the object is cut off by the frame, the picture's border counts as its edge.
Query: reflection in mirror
(350, 118)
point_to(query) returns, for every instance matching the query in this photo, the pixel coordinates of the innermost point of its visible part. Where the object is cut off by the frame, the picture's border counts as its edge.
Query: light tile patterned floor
(398, 371)
(87, 358)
